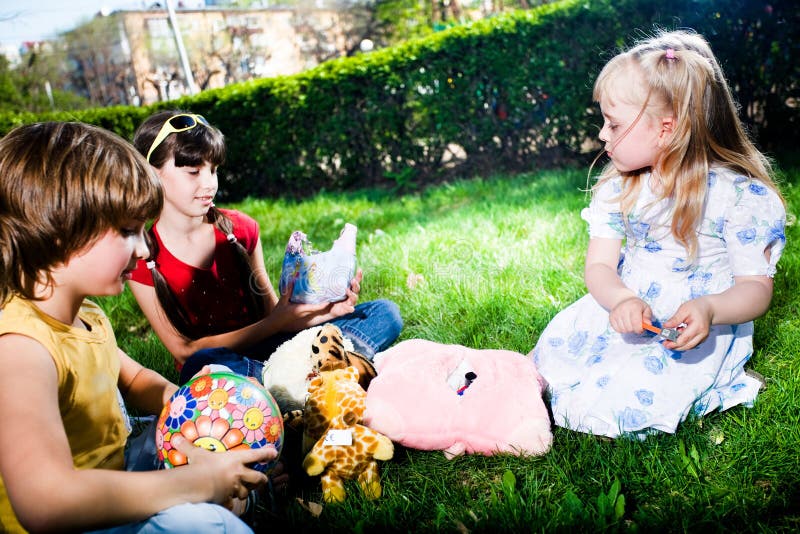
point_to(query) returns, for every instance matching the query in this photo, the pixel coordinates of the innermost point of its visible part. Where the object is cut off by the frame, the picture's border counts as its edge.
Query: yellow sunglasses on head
(175, 124)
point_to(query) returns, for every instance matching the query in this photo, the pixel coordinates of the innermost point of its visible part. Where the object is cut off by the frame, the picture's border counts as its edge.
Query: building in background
(130, 57)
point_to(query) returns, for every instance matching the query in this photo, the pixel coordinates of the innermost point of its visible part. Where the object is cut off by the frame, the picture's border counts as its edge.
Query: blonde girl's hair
(62, 186)
(682, 78)
(190, 148)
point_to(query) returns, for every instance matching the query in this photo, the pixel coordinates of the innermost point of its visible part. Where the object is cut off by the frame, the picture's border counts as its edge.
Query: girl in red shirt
(204, 289)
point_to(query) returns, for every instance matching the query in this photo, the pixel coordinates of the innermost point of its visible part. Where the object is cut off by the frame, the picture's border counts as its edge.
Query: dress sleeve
(755, 224)
(603, 214)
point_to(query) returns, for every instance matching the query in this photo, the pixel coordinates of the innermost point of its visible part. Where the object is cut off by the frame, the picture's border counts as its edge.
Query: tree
(100, 72)
(10, 97)
(390, 22)
(37, 84)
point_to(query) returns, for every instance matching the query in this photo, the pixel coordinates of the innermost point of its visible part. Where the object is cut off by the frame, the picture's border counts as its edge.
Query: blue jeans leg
(185, 519)
(236, 362)
(372, 327)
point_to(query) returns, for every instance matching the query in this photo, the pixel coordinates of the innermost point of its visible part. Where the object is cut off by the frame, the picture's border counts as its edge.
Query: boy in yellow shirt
(74, 200)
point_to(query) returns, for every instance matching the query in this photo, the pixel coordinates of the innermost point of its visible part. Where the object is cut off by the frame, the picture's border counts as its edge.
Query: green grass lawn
(486, 263)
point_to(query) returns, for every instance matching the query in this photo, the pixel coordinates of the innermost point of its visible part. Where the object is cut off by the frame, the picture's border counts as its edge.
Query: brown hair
(203, 143)
(688, 84)
(62, 185)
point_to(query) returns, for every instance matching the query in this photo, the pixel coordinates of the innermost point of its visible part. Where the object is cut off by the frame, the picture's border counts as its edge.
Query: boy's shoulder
(22, 316)
(92, 309)
(16, 309)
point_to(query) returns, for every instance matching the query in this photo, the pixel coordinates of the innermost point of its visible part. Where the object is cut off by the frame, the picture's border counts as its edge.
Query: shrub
(506, 93)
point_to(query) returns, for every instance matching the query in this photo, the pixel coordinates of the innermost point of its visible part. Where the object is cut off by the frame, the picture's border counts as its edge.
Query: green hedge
(506, 93)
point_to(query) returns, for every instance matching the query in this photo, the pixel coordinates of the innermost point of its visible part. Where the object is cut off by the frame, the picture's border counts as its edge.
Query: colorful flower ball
(220, 412)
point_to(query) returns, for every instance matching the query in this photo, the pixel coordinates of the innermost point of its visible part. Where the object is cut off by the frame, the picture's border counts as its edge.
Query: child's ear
(667, 128)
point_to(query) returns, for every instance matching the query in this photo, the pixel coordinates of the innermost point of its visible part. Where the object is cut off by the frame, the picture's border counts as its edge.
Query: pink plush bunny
(458, 400)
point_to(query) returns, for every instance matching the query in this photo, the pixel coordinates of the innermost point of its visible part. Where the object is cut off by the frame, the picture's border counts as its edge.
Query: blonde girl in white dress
(686, 227)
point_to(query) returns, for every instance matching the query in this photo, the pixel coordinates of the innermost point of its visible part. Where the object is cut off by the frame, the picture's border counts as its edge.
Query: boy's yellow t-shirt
(87, 363)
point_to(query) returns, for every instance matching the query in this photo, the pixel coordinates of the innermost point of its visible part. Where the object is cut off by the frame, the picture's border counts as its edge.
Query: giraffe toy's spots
(343, 448)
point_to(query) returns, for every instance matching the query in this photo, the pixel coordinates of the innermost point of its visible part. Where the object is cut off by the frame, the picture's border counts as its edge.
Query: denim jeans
(140, 455)
(372, 327)
(185, 519)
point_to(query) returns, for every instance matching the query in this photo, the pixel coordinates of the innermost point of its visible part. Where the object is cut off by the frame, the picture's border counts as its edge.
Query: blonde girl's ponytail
(683, 80)
(684, 73)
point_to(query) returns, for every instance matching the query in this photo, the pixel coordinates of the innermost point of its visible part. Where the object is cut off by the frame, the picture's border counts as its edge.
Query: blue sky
(33, 20)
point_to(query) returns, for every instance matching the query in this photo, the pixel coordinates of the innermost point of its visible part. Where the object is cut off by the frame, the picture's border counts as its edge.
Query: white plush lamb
(291, 367)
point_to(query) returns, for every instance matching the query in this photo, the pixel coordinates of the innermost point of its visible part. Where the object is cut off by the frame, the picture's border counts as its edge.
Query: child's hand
(293, 317)
(228, 473)
(237, 506)
(696, 315)
(348, 305)
(627, 316)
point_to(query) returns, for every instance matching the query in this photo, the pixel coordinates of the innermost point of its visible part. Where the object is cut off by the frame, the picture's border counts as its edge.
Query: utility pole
(176, 32)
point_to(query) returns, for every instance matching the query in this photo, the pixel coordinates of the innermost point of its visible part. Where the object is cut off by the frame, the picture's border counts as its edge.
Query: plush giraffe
(328, 353)
(344, 449)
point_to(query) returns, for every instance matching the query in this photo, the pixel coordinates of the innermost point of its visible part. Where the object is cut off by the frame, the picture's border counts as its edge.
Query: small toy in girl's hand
(220, 412)
(670, 334)
(319, 276)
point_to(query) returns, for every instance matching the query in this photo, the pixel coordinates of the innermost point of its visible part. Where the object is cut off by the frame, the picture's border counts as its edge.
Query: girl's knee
(387, 321)
(390, 312)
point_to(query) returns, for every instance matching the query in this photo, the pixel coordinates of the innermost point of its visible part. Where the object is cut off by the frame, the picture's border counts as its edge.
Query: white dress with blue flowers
(606, 383)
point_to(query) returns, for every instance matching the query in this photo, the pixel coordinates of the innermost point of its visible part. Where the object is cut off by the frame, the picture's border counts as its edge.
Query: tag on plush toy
(461, 377)
(339, 436)
(319, 276)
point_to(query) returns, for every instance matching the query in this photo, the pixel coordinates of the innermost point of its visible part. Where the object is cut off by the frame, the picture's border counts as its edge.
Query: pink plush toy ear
(458, 400)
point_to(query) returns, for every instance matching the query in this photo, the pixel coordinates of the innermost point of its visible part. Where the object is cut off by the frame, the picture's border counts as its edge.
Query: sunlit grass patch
(487, 263)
